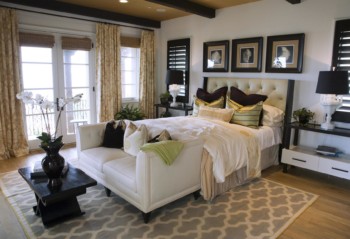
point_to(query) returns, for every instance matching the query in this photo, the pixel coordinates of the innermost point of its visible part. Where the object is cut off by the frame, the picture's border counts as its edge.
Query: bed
(232, 154)
(280, 95)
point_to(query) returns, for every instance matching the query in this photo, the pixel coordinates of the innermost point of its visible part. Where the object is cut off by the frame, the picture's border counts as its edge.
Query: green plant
(130, 113)
(303, 115)
(164, 98)
(165, 114)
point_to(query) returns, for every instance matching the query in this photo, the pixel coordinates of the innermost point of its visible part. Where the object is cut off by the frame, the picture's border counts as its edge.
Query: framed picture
(216, 56)
(246, 54)
(284, 53)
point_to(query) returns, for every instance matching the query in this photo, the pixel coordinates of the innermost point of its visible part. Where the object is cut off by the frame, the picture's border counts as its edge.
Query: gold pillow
(245, 115)
(198, 102)
(215, 113)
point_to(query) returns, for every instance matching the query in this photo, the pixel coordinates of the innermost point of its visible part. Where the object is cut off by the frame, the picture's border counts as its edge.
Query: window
(34, 60)
(341, 61)
(57, 70)
(130, 73)
(178, 56)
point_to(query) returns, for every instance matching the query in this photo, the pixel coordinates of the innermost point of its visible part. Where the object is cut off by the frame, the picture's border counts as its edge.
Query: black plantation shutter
(341, 62)
(178, 55)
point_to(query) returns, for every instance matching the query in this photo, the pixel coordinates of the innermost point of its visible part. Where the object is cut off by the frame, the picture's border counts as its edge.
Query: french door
(56, 73)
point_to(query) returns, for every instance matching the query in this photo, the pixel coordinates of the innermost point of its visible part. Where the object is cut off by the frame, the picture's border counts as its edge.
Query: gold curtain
(13, 142)
(147, 81)
(108, 72)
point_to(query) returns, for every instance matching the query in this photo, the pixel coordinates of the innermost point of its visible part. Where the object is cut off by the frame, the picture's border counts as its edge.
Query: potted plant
(164, 98)
(303, 115)
(130, 113)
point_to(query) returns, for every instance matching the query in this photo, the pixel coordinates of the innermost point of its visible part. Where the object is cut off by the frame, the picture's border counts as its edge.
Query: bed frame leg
(146, 217)
(285, 168)
(196, 194)
(108, 192)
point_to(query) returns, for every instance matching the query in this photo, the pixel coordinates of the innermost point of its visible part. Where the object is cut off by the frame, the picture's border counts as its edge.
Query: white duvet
(231, 146)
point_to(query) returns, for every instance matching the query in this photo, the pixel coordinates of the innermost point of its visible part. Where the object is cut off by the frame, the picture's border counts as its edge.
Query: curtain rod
(78, 18)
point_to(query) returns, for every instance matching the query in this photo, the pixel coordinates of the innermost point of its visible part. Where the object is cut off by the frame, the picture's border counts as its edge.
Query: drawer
(334, 167)
(300, 159)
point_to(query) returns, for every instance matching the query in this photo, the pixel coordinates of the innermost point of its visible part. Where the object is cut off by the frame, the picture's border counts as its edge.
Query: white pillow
(215, 113)
(134, 138)
(272, 116)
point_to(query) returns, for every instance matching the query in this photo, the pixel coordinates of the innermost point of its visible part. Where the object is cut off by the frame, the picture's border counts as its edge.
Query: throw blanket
(167, 150)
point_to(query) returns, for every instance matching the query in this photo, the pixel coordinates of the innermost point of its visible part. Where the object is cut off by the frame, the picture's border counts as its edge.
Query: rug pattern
(260, 209)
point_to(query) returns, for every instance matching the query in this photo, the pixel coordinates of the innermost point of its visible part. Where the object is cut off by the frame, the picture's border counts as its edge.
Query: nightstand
(306, 157)
(186, 109)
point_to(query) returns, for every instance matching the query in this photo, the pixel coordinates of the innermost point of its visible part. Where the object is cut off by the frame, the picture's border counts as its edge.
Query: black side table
(167, 107)
(53, 206)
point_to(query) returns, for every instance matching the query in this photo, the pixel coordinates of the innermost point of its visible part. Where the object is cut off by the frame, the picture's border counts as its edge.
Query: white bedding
(231, 146)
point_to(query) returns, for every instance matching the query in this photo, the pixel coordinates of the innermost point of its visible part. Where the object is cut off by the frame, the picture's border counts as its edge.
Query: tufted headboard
(279, 91)
(276, 90)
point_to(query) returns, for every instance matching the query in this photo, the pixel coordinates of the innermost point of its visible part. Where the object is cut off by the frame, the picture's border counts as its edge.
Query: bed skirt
(210, 189)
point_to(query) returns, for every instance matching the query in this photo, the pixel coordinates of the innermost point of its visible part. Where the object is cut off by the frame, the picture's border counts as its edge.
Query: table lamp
(174, 78)
(331, 85)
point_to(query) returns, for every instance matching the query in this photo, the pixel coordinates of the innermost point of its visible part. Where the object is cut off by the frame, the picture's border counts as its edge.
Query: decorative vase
(53, 164)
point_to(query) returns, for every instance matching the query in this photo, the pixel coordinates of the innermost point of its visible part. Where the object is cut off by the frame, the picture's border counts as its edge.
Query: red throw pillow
(243, 99)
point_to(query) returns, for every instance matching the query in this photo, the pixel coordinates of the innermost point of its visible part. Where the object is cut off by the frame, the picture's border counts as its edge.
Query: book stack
(38, 172)
(326, 150)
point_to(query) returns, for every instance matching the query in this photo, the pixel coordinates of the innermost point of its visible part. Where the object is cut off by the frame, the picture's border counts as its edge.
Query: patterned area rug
(260, 209)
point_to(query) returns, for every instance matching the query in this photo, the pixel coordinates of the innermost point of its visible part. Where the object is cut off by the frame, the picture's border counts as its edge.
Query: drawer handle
(300, 160)
(341, 170)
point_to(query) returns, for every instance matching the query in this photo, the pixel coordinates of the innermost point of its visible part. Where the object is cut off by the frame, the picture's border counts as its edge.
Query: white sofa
(145, 181)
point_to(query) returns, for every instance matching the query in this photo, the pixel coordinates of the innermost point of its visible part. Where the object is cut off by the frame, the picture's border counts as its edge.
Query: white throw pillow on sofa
(134, 138)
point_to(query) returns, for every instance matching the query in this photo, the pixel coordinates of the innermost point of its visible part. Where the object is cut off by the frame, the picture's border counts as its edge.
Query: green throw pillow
(245, 115)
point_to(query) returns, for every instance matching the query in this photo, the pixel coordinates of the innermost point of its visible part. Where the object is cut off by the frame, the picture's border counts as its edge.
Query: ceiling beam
(187, 6)
(85, 11)
(294, 1)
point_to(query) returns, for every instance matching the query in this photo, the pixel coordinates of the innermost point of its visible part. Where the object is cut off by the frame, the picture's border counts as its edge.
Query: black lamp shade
(333, 82)
(174, 77)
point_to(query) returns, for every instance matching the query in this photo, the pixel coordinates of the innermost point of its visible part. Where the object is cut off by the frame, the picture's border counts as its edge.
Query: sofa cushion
(96, 157)
(122, 171)
(134, 138)
(114, 134)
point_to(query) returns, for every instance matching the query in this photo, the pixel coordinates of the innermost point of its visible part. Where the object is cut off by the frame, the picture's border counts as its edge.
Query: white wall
(315, 18)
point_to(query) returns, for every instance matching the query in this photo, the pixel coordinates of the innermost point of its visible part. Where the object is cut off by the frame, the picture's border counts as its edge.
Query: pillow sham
(134, 138)
(198, 102)
(245, 115)
(272, 116)
(164, 135)
(210, 97)
(114, 134)
(243, 99)
(215, 113)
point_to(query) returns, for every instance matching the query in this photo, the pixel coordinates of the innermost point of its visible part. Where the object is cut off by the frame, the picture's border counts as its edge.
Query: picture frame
(216, 56)
(284, 53)
(247, 54)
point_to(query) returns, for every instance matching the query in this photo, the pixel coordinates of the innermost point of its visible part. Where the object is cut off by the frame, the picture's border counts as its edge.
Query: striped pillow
(215, 104)
(245, 115)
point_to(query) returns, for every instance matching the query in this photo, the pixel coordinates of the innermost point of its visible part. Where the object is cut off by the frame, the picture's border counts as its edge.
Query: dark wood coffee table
(59, 204)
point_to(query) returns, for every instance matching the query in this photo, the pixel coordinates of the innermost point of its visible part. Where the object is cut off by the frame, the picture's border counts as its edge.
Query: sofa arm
(159, 184)
(90, 136)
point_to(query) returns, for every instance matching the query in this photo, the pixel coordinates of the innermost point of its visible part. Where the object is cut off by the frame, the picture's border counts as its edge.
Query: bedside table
(186, 109)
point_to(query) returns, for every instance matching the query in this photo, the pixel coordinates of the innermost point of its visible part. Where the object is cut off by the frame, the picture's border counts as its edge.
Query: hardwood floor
(328, 217)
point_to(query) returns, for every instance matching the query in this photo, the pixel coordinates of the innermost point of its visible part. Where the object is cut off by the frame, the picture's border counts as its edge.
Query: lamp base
(327, 126)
